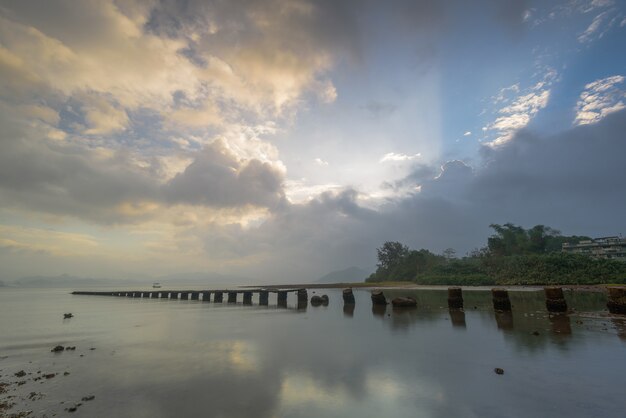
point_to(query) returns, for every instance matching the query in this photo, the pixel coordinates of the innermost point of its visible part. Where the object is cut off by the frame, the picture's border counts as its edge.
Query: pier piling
(348, 296)
(455, 298)
(501, 301)
(247, 298)
(282, 298)
(195, 295)
(219, 297)
(232, 297)
(555, 301)
(264, 297)
(378, 298)
(206, 296)
(617, 300)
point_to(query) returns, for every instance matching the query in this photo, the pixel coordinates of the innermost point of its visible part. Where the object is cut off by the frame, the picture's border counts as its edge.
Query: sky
(283, 139)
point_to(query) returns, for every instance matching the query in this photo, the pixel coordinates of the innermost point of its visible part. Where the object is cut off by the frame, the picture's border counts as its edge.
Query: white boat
(156, 285)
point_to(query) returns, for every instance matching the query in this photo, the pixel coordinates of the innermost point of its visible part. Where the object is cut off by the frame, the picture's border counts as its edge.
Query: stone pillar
(303, 295)
(195, 295)
(247, 298)
(264, 297)
(348, 296)
(501, 301)
(617, 300)
(555, 301)
(206, 296)
(282, 298)
(378, 298)
(219, 297)
(232, 297)
(455, 298)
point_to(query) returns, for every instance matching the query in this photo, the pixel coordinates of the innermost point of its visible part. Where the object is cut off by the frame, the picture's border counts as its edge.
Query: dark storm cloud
(217, 178)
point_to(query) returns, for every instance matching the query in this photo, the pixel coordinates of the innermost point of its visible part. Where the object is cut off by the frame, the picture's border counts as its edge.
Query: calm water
(157, 358)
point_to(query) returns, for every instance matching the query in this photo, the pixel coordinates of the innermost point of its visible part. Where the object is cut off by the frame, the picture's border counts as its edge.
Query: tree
(390, 254)
(449, 253)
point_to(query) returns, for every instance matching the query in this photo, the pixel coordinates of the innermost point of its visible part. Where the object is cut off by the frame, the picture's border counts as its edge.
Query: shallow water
(161, 358)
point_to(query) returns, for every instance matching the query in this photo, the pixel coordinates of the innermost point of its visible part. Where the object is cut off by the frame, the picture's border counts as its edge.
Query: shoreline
(593, 288)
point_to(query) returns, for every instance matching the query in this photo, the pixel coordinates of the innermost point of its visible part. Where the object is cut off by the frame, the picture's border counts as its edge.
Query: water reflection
(457, 317)
(207, 359)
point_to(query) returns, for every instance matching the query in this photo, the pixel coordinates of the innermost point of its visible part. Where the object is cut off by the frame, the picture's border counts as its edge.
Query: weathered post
(206, 296)
(501, 301)
(232, 297)
(282, 298)
(219, 297)
(617, 300)
(378, 298)
(455, 298)
(555, 301)
(195, 295)
(247, 298)
(348, 296)
(264, 297)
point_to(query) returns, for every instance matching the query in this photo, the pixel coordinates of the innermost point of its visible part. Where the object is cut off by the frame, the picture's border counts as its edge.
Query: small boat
(156, 285)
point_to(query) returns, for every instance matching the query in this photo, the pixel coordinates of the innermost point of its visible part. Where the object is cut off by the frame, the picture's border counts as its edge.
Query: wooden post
(219, 297)
(378, 298)
(501, 301)
(555, 301)
(264, 297)
(455, 298)
(247, 298)
(348, 297)
(617, 300)
(232, 297)
(206, 296)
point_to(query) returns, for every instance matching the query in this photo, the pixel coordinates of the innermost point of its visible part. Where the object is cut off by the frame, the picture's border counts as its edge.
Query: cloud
(599, 99)
(321, 162)
(392, 156)
(517, 112)
(468, 133)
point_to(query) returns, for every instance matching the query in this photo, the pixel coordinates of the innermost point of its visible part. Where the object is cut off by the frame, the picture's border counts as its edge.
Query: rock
(498, 370)
(72, 409)
(404, 302)
(535, 332)
(21, 373)
(49, 375)
(319, 300)
(88, 398)
(67, 315)
(70, 348)
(57, 349)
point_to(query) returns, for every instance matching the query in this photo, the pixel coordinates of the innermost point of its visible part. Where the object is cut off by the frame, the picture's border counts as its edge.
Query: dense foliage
(513, 255)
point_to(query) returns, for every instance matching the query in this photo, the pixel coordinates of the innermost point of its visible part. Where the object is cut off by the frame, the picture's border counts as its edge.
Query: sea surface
(162, 358)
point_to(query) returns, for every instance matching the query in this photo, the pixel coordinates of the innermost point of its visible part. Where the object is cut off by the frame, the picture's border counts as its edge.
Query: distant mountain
(349, 275)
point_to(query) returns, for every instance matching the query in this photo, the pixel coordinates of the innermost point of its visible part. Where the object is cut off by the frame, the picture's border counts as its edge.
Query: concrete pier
(617, 300)
(195, 296)
(348, 296)
(303, 295)
(232, 297)
(174, 294)
(378, 298)
(555, 301)
(264, 297)
(455, 298)
(184, 295)
(282, 298)
(206, 296)
(219, 297)
(247, 298)
(501, 301)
